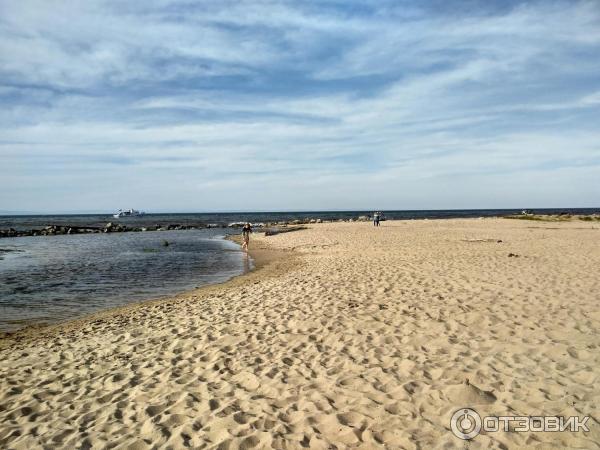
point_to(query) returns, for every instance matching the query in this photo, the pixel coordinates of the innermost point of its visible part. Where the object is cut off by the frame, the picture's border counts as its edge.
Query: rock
(513, 255)
(51, 230)
(111, 227)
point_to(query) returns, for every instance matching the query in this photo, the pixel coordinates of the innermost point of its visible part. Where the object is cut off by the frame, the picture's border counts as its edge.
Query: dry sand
(349, 336)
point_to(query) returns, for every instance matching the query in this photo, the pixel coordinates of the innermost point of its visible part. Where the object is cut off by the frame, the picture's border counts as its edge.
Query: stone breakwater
(53, 230)
(111, 227)
(308, 220)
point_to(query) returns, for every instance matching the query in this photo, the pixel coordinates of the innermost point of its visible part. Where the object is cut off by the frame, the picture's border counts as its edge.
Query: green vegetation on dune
(553, 217)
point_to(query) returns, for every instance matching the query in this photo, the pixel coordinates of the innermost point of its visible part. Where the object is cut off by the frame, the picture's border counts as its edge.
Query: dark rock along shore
(110, 227)
(272, 227)
(52, 230)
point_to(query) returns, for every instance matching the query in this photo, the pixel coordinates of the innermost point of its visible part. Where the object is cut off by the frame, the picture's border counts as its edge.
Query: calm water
(54, 278)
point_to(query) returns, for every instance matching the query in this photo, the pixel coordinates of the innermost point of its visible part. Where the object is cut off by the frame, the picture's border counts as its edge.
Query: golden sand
(348, 336)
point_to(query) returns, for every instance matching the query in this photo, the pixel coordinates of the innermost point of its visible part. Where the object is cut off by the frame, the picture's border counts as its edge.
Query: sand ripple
(365, 339)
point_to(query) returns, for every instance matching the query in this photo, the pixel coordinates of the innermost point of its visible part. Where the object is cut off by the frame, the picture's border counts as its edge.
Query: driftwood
(482, 240)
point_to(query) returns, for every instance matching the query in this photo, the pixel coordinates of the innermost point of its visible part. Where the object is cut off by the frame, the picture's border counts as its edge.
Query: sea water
(47, 279)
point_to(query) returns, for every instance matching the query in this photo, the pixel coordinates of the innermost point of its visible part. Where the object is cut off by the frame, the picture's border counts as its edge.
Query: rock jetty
(113, 227)
(110, 227)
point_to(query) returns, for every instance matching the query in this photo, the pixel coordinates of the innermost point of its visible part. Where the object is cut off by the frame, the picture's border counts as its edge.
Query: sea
(50, 279)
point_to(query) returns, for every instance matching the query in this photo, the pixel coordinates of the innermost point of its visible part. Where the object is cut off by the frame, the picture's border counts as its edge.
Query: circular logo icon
(465, 423)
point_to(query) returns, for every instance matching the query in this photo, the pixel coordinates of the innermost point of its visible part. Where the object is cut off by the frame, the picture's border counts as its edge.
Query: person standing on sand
(375, 219)
(246, 235)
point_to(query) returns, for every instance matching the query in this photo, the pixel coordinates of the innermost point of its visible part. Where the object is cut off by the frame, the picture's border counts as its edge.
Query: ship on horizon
(128, 213)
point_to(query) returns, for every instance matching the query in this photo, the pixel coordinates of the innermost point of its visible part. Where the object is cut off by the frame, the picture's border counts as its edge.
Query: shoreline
(262, 257)
(112, 226)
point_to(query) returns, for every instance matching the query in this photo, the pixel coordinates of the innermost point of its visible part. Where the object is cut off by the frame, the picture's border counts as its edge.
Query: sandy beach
(346, 336)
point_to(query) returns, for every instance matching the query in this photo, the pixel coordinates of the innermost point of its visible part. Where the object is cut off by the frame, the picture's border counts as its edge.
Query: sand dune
(348, 336)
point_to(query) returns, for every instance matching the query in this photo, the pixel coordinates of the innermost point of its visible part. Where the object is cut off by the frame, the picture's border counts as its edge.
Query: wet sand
(346, 336)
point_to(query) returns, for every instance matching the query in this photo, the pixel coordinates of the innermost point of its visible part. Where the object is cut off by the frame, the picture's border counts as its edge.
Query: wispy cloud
(291, 105)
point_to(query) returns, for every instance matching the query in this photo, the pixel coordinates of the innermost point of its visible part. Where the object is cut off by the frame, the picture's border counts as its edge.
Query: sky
(191, 106)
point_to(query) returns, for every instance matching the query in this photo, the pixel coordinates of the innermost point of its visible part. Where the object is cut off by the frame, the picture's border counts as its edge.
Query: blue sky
(272, 105)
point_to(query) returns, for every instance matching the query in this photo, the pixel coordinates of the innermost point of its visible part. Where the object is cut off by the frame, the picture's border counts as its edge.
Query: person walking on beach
(375, 219)
(246, 235)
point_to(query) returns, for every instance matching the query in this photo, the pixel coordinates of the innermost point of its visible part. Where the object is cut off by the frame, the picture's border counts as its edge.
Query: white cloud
(281, 99)
(591, 99)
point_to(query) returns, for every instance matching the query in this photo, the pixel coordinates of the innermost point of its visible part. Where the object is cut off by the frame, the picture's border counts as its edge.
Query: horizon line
(76, 213)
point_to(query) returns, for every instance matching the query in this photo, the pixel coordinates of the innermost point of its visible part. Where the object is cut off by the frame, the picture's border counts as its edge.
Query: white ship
(128, 213)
